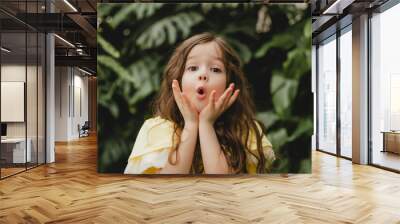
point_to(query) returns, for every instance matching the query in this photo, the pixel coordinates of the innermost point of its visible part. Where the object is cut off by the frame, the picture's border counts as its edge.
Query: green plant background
(136, 40)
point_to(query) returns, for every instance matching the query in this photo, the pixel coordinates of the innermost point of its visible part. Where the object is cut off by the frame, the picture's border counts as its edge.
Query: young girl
(204, 117)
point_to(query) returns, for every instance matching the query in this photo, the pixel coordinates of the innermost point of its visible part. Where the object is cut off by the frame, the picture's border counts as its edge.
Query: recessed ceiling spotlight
(64, 40)
(5, 50)
(70, 5)
(84, 71)
(337, 7)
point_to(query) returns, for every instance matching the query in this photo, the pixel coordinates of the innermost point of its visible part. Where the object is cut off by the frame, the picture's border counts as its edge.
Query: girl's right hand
(188, 111)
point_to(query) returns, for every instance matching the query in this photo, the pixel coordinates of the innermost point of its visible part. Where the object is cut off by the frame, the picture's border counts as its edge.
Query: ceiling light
(84, 71)
(70, 5)
(5, 50)
(337, 7)
(64, 40)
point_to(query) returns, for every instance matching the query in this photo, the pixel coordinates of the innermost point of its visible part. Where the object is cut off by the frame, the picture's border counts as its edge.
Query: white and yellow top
(154, 143)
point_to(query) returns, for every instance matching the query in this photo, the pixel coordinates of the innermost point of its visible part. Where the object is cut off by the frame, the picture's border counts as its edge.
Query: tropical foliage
(274, 41)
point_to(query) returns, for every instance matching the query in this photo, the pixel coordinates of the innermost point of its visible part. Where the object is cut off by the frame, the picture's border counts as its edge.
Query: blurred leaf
(108, 156)
(284, 41)
(268, 118)
(141, 10)
(113, 107)
(104, 9)
(107, 47)
(234, 29)
(168, 27)
(305, 166)
(218, 5)
(283, 92)
(278, 137)
(142, 92)
(305, 126)
(307, 30)
(297, 63)
(283, 165)
(146, 10)
(122, 14)
(242, 49)
(118, 69)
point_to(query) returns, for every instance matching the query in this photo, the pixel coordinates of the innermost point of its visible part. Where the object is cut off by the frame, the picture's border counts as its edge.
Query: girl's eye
(192, 68)
(216, 70)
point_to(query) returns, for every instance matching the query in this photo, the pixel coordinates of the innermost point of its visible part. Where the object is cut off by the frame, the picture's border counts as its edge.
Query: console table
(391, 141)
(13, 150)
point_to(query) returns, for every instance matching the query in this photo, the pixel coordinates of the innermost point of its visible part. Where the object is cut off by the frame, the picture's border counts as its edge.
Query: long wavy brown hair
(233, 126)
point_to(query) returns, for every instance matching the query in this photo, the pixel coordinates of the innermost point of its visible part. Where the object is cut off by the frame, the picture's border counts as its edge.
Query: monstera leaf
(168, 28)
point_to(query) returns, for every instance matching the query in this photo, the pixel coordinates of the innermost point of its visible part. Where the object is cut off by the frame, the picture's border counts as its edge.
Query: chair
(84, 130)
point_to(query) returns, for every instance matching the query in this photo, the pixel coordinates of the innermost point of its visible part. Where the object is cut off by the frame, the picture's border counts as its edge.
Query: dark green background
(136, 40)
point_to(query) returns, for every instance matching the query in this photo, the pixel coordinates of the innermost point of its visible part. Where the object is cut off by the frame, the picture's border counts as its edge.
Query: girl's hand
(187, 109)
(214, 109)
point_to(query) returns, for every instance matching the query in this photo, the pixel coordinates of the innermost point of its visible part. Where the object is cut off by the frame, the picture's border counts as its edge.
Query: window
(327, 95)
(385, 88)
(346, 92)
(22, 76)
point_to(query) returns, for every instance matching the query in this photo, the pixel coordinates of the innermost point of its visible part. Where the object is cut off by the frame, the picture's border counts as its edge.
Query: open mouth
(200, 90)
(201, 93)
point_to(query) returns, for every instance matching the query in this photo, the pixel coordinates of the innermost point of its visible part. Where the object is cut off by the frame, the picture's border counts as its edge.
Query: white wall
(16, 73)
(71, 93)
(33, 127)
(61, 103)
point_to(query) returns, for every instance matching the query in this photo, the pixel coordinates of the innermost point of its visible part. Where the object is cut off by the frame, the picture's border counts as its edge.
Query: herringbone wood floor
(71, 191)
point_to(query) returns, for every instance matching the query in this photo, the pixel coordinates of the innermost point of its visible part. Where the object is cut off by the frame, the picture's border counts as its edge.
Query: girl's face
(204, 72)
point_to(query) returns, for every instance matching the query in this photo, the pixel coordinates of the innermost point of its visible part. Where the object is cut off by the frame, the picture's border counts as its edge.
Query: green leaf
(283, 91)
(104, 9)
(206, 7)
(305, 166)
(307, 30)
(113, 107)
(268, 118)
(283, 165)
(278, 138)
(242, 49)
(304, 127)
(114, 65)
(234, 29)
(122, 14)
(298, 63)
(146, 10)
(170, 26)
(107, 47)
(141, 10)
(145, 89)
(284, 40)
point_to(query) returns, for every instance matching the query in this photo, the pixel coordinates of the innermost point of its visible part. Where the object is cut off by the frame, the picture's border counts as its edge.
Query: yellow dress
(154, 142)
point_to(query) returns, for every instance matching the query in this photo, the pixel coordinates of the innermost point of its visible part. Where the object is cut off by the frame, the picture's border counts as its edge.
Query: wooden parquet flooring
(71, 191)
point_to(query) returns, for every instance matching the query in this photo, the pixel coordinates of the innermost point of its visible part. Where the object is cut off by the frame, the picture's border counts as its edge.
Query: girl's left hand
(214, 108)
